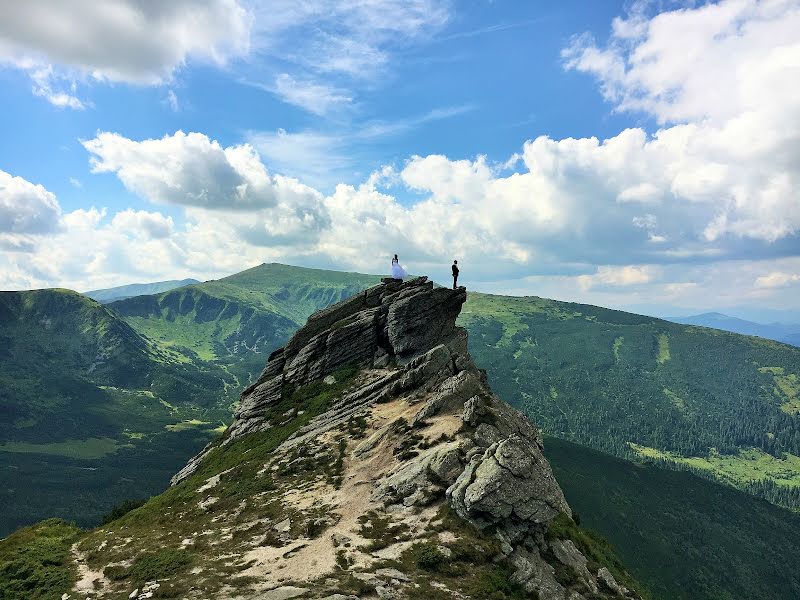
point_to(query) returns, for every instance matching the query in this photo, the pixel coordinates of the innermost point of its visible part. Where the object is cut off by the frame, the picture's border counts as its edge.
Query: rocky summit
(370, 459)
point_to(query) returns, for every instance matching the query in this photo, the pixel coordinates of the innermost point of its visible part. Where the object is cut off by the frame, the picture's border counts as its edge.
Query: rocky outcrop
(394, 322)
(442, 436)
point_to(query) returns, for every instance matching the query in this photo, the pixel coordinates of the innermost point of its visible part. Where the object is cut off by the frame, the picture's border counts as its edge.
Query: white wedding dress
(398, 272)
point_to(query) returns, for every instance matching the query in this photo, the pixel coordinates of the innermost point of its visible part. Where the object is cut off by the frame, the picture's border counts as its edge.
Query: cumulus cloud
(734, 146)
(664, 65)
(25, 207)
(192, 170)
(714, 190)
(140, 223)
(117, 40)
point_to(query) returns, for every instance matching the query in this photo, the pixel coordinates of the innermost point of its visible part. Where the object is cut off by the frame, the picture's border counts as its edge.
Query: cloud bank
(707, 203)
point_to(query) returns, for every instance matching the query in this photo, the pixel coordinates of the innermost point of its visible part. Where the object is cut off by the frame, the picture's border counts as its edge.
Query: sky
(642, 155)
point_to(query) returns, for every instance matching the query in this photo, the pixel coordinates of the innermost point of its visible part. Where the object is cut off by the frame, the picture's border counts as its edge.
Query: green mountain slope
(93, 412)
(720, 403)
(238, 320)
(106, 402)
(602, 377)
(137, 289)
(684, 537)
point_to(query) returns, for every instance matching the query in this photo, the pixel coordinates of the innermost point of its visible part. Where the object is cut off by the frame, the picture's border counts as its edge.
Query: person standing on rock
(455, 274)
(398, 272)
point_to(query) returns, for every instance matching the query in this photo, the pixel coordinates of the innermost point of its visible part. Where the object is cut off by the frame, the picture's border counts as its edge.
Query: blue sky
(631, 154)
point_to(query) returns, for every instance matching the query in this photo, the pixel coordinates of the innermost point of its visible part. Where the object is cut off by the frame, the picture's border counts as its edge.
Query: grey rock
(486, 435)
(451, 395)
(419, 479)
(389, 573)
(511, 480)
(417, 321)
(535, 575)
(381, 359)
(282, 526)
(605, 577)
(566, 552)
(285, 592)
(404, 338)
(385, 593)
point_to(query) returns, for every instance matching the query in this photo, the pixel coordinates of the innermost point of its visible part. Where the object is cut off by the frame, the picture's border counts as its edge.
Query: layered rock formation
(434, 434)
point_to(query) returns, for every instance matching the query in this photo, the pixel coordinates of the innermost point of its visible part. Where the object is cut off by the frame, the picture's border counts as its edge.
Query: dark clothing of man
(455, 275)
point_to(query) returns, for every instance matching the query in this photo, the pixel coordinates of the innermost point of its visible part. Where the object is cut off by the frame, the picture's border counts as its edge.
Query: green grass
(475, 566)
(663, 349)
(81, 449)
(35, 561)
(151, 566)
(737, 469)
(85, 401)
(617, 345)
(676, 400)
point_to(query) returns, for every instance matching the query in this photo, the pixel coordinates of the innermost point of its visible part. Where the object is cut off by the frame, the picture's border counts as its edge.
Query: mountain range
(788, 333)
(169, 369)
(369, 458)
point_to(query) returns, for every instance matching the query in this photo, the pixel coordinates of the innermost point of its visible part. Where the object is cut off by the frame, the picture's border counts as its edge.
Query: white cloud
(122, 40)
(117, 40)
(706, 207)
(44, 79)
(25, 207)
(143, 224)
(75, 182)
(326, 47)
(713, 62)
(317, 98)
(776, 279)
(726, 73)
(325, 158)
(172, 101)
(192, 170)
(627, 275)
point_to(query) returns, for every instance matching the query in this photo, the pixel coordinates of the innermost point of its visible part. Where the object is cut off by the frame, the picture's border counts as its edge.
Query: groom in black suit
(455, 274)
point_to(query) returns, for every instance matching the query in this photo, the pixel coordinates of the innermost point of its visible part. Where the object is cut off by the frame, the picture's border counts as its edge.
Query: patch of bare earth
(305, 560)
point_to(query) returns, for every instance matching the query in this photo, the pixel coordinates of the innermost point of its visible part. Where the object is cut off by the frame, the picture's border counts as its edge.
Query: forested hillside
(93, 412)
(723, 404)
(684, 537)
(103, 403)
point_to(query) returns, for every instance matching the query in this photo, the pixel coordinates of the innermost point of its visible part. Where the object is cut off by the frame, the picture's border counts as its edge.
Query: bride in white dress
(398, 272)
